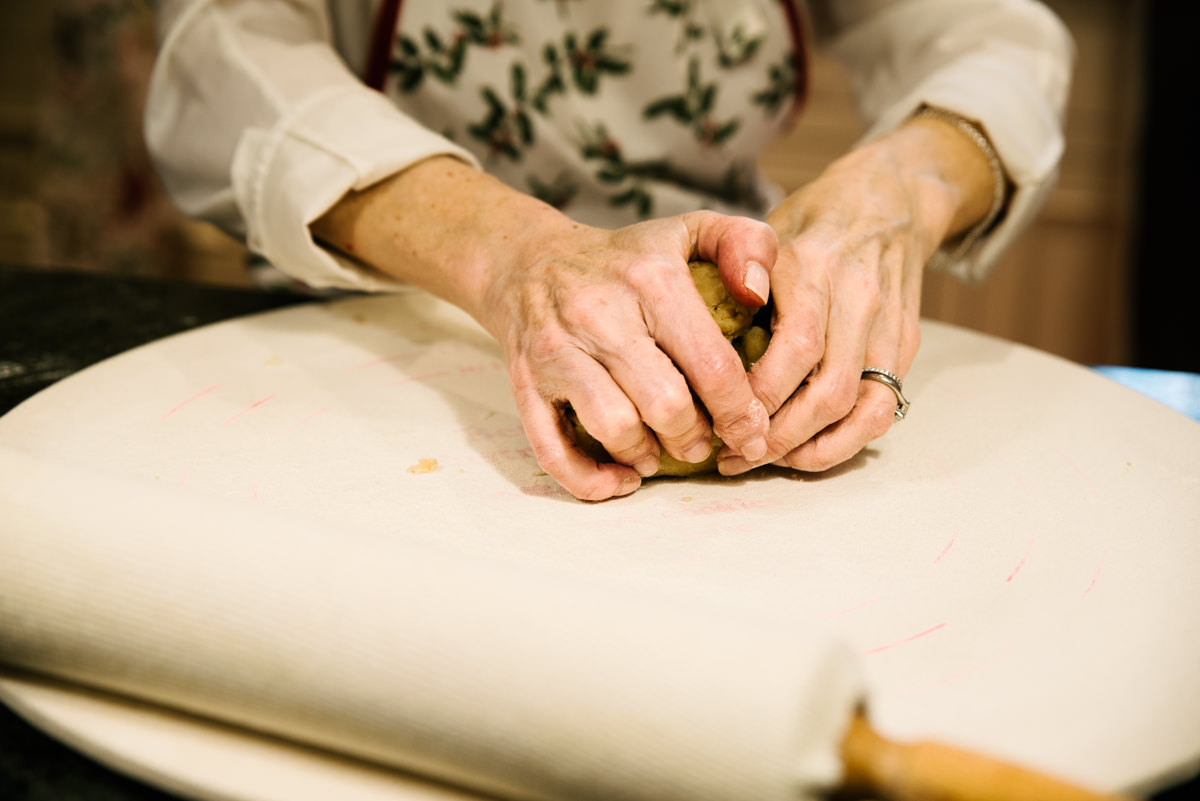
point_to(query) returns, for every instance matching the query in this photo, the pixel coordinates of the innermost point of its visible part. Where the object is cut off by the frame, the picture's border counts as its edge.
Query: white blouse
(259, 121)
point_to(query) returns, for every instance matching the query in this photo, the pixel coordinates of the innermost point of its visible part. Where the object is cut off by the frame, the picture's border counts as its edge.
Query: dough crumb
(359, 318)
(424, 466)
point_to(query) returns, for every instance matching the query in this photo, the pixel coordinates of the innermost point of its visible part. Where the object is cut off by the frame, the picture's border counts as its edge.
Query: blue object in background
(1180, 391)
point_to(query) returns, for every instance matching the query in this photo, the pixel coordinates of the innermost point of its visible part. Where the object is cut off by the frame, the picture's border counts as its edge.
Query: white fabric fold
(245, 522)
(491, 674)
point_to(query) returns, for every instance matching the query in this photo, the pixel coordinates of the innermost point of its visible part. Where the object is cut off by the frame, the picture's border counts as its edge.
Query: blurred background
(1103, 277)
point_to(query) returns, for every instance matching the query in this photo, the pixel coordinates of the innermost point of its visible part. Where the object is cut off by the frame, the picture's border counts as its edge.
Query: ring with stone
(892, 382)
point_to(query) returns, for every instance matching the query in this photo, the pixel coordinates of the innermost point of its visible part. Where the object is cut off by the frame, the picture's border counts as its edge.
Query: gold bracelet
(999, 183)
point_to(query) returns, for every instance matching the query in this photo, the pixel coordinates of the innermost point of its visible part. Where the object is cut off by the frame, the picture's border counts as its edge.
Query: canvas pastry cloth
(324, 524)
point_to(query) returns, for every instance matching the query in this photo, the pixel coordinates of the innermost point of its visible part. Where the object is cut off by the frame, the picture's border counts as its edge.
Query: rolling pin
(883, 770)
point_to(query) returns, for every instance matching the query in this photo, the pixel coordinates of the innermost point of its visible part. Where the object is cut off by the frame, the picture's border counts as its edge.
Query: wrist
(444, 226)
(958, 153)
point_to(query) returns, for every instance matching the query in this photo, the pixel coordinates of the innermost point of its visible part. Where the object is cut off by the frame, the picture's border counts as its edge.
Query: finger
(798, 331)
(553, 445)
(663, 399)
(646, 377)
(870, 419)
(831, 390)
(608, 415)
(684, 329)
(743, 249)
(874, 411)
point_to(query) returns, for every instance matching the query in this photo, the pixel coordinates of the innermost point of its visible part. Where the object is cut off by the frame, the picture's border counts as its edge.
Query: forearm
(444, 226)
(257, 124)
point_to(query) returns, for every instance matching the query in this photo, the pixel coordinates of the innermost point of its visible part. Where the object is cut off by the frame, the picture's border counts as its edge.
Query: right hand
(609, 322)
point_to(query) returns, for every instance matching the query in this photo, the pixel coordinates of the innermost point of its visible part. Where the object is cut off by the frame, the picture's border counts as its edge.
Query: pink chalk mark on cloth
(1012, 471)
(396, 357)
(195, 397)
(1020, 564)
(889, 646)
(1078, 470)
(249, 408)
(973, 668)
(183, 477)
(1095, 576)
(425, 377)
(949, 545)
(310, 417)
(544, 491)
(946, 473)
(852, 609)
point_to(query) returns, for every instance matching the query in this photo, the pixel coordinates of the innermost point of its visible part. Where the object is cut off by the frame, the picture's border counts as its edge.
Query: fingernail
(754, 450)
(731, 465)
(646, 466)
(698, 451)
(757, 281)
(629, 485)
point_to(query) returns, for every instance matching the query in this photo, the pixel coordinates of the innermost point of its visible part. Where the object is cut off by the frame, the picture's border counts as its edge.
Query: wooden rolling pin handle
(929, 771)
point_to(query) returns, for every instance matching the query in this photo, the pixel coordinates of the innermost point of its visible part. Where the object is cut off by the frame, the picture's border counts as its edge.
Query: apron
(611, 111)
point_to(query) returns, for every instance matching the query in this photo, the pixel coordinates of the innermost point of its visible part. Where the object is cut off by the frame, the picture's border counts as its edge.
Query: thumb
(743, 249)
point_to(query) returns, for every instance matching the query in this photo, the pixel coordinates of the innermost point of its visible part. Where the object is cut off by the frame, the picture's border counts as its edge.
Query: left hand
(847, 288)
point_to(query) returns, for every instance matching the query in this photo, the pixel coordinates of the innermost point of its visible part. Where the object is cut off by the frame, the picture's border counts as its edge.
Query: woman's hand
(847, 288)
(609, 322)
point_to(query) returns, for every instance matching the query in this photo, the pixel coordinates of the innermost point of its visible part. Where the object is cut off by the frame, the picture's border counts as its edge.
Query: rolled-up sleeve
(1004, 64)
(257, 125)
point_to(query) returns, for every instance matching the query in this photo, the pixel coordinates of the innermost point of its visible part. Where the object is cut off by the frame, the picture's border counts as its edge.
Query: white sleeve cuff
(1021, 126)
(1005, 65)
(343, 138)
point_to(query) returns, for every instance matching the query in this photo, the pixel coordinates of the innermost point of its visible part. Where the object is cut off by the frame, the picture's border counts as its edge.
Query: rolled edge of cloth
(495, 675)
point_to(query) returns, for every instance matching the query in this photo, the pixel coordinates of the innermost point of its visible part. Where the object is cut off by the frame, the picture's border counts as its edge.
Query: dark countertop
(53, 323)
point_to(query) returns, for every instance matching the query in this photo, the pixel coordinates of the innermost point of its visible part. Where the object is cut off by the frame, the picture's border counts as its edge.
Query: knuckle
(793, 459)
(547, 347)
(820, 456)
(653, 280)
(820, 461)
(911, 333)
(615, 426)
(810, 346)
(780, 450)
(868, 288)
(595, 488)
(671, 409)
(836, 399)
(802, 343)
(553, 460)
(879, 418)
(722, 369)
(773, 398)
(585, 306)
(815, 248)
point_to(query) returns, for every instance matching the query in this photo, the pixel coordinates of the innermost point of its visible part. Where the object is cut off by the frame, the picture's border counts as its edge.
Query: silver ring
(892, 382)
